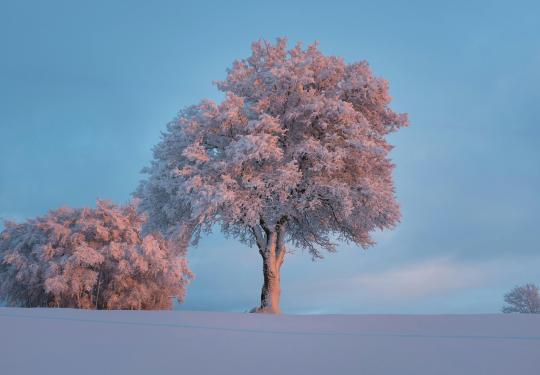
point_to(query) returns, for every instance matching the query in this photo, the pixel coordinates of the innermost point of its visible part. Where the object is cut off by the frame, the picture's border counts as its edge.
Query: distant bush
(90, 258)
(523, 299)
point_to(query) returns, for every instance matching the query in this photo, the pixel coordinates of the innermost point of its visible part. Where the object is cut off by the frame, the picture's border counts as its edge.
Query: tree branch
(259, 237)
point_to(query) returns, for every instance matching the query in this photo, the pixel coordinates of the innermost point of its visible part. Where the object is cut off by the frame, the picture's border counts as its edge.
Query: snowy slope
(65, 341)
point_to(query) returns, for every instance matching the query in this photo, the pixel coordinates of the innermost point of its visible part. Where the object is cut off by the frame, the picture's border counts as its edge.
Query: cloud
(406, 282)
(424, 279)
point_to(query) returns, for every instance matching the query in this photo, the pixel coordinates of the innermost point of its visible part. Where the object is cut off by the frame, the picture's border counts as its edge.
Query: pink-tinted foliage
(295, 151)
(90, 258)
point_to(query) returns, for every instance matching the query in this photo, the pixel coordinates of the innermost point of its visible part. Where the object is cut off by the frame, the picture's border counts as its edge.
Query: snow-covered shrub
(94, 258)
(523, 299)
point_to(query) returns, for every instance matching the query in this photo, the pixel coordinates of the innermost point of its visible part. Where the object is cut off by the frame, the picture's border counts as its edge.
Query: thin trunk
(97, 291)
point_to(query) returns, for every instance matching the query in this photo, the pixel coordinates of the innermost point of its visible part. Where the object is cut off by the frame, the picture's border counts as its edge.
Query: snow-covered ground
(66, 341)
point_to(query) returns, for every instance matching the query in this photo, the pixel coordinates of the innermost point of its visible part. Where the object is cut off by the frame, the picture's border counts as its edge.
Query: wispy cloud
(423, 279)
(410, 281)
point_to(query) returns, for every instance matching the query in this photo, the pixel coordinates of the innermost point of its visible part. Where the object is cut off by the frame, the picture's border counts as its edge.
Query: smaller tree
(523, 299)
(90, 258)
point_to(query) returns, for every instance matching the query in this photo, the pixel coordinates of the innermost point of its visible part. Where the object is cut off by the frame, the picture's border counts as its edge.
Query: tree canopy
(299, 137)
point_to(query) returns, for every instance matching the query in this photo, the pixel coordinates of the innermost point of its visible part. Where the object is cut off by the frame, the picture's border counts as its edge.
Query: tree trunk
(271, 289)
(272, 250)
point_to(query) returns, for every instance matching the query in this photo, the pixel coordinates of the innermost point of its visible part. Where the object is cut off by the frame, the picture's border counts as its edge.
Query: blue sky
(86, 88)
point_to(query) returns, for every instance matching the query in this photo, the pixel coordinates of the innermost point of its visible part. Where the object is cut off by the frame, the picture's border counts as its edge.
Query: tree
(296, 153)
(523, 299)
(90, 258)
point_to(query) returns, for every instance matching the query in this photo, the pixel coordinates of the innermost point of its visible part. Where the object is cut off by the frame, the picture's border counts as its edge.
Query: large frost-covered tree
(93, 258)
(296, 153)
